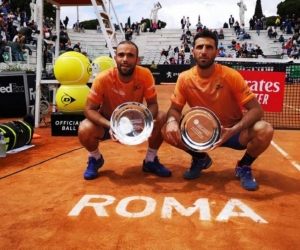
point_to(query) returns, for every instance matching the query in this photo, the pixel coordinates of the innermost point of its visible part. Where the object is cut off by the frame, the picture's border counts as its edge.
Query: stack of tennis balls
(73, 71)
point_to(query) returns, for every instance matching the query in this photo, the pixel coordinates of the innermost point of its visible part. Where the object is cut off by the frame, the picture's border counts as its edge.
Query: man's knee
(264, 131)
(89, 129)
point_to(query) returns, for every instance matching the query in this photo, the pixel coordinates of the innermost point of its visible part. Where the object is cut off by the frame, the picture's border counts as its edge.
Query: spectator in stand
(282, 27)
(297, 27)
(259, 51)
(289, 28)
(239, 53)
(187, 39)
(187, 48)
(277, 21)
(192, 41)
(183, 34)
(16, 49)
(188, 24)
(221, 34)
(77, 46)
(216, 33)
(164, 53)
(250, 49)
(18, 35)
(281, 39)
(289, 45)
(187, 61)
(66, 21)
(199, 27)
(294, 53)
(222, 53)
(176, 49)
(270, 32)
(171, 53)
(180, 60)
(247, 36)
(274, 34)
(251, 24)
(68, 46)
(241, 34)
(63, 33)
(188, 32)
(128, 34)
(225, 25)
(236, 26)
(153, 65)
(173, 61)
(181, 53)
(166, 62)
(233, 44)
(221, 46)
(183, 22)
(238, 46)
(258, 25)
(231, 21)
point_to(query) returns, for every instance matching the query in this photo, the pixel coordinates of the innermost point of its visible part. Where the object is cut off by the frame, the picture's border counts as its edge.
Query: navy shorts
(106, 135)
(233, 142)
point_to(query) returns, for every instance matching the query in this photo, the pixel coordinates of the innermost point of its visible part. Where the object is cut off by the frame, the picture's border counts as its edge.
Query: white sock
(151, 154)
(96, 154)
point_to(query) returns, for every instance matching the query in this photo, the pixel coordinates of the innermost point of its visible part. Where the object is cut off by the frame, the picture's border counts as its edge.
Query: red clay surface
(45, 204)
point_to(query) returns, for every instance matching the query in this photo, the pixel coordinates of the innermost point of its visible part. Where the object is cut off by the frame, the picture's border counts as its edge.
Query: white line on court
(286, 155)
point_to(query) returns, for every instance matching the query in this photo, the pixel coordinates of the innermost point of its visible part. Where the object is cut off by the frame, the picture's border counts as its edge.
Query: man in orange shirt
(222, 90)
(125, 83)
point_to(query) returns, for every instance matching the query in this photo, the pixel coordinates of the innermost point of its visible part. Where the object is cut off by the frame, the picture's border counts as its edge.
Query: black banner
(31, 81)
(13, 95)
(167, 73)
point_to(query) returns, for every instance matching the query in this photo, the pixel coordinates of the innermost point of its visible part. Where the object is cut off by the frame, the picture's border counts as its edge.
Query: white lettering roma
(233, 208)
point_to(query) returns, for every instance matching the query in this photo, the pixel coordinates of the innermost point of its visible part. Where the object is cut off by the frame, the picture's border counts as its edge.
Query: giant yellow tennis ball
(72, 68)
(102, 63)
(72, 98)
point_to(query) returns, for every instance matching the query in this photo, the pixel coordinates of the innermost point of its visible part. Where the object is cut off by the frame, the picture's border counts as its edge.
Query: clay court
(46, 203)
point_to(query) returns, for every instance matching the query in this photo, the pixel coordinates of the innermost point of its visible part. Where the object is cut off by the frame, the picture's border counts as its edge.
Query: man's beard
(207, 64)
(125, 73)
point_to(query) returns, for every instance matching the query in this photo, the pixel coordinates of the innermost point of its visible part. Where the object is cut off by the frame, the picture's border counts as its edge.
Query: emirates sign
(268, 88)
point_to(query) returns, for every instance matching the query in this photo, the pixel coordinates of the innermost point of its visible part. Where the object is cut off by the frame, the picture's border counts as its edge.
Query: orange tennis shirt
(224, 93)
(109, 92)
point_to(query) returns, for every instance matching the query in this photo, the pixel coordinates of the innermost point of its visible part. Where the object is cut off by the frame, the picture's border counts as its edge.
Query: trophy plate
(200, 128)
(131, 123)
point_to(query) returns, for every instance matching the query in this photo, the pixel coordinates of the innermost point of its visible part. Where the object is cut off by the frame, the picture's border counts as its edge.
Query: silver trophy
(131, 123)
(200, 128)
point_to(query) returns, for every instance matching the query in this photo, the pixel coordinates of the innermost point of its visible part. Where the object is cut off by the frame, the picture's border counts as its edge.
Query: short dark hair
(132, 43)
(206, 34)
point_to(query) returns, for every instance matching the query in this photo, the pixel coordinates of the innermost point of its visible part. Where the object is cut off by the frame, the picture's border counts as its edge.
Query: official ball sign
(268, 88)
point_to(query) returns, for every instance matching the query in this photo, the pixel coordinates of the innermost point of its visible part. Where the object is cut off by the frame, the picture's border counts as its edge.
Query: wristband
(172, 120)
